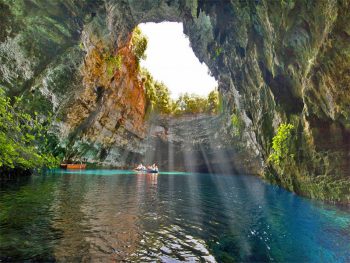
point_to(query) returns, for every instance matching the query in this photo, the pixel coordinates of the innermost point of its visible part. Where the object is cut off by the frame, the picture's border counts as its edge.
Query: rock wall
(104, 122)
(283, 61)
(201, 143)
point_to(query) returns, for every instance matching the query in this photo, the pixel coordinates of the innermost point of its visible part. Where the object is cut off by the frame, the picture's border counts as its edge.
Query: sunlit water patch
(112, 215)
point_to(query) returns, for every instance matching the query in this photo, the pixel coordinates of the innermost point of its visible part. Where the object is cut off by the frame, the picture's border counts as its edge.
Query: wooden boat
(140, 170)
(151, 171)
(78, 166)
(148, 171)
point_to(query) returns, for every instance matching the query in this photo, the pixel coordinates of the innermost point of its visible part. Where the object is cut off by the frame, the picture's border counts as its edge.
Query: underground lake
(114, 215)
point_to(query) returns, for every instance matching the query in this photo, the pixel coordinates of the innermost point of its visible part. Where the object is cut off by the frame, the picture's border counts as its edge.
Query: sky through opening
(171, 59)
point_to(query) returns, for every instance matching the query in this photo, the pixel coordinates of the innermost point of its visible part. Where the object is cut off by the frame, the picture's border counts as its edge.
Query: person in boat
(153, 167)
(140, 167)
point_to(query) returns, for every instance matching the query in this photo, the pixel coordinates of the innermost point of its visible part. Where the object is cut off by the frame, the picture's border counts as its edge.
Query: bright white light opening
(171, 59)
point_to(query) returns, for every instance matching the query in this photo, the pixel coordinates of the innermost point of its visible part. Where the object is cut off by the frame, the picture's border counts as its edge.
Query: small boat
(149, 169)
(140, 170)
(77, 166)
(152, 171)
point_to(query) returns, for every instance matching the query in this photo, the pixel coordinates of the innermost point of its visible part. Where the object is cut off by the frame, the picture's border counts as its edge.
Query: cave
(270, 69)
(234, 186)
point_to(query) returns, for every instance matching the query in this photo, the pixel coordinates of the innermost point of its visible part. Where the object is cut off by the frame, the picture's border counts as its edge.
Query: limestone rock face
(202, 143)
(105, 121)
(276, 62)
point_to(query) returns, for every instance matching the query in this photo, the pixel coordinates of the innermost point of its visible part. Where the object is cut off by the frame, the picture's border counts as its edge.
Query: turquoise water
(112, 215)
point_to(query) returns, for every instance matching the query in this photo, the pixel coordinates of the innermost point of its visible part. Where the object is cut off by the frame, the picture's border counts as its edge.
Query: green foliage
(163, 103)
(158, 99)
(281, 144)
(194, 104)
(113, 63)
(23, 138)
(32, 102)
(190, 104)
(218, 52)
(287, 3)
(157, 94)
(237, 124)
(193, 6)
(150, 90)
(139, 44)
(213, 102)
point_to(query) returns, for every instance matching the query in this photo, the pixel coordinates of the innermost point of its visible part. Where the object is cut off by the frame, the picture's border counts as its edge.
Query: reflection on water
(114, 215)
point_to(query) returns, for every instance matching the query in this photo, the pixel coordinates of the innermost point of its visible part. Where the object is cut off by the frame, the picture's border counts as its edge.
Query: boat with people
(149, 169)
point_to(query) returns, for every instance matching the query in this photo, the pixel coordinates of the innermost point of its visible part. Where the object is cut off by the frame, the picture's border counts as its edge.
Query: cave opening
(170, 59)
(184, 112)
(176, 83)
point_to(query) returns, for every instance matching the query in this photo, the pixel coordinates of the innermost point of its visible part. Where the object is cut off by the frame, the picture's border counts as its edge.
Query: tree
(163, 100)
(157, 94)
(190, 104)
(139, 44)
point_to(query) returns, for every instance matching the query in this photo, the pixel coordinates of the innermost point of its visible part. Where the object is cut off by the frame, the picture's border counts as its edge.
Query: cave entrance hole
(170, 60)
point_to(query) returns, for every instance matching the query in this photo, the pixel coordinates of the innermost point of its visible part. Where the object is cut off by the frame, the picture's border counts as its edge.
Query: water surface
(112, 215)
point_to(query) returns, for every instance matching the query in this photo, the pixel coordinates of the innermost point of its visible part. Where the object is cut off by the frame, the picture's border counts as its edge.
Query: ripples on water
(113, 215)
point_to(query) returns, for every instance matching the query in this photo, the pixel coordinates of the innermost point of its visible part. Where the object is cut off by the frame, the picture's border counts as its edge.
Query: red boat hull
(73, 166)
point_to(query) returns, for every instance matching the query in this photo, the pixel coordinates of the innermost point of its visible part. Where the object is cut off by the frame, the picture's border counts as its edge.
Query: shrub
(113, 63)
(213, 102)
(139, 44)
(282, 143)
(218, 51)
(237, 124)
